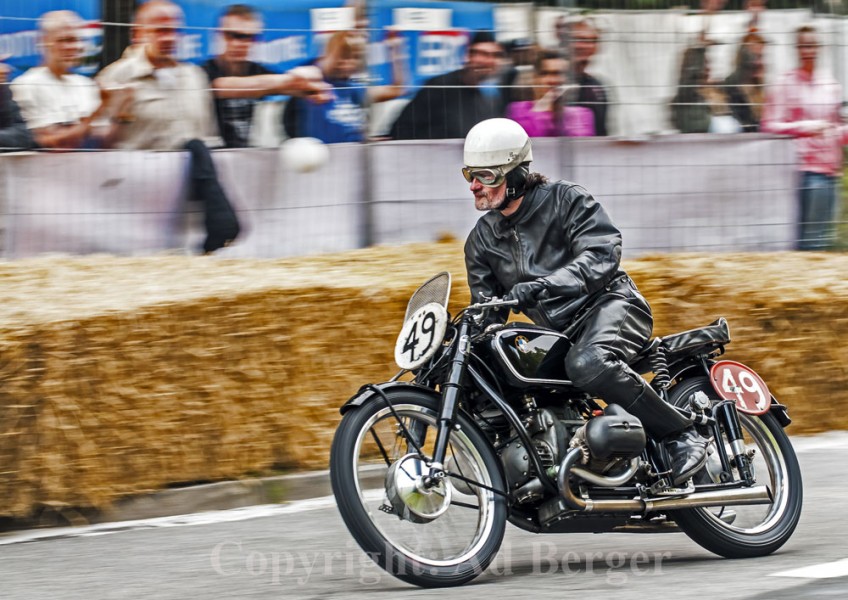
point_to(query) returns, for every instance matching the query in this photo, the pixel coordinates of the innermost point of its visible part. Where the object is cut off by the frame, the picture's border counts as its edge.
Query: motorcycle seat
(685, 343)
(694, 341)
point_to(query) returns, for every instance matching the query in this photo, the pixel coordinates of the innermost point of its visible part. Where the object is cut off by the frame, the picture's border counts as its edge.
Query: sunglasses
(242, 37)
(490, 177)
(486, 53)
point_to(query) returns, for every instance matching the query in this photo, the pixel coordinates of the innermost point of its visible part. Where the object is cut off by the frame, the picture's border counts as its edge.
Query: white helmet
(497, 143)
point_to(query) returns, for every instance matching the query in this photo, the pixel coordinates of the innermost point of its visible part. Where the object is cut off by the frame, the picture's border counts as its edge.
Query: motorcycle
(426, 472)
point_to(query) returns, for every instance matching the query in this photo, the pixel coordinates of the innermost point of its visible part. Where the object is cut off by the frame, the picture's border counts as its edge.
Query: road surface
(302, 550)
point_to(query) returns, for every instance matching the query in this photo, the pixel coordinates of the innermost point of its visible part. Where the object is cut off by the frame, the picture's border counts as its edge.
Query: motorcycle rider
(552, 247)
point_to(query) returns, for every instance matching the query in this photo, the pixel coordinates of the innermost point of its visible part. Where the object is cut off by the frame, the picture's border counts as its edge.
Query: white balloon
(304, 154)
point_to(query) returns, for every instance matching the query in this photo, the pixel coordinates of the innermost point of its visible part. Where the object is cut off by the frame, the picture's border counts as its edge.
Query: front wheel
(746, 531)
(431, 537)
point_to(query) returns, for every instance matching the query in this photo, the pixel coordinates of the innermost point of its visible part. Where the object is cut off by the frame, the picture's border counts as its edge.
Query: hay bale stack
(124, 375)
(788, 316)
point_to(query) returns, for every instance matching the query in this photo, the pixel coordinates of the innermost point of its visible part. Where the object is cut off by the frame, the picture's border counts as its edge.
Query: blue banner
(294, 35)
(295, 32)
(430, 50)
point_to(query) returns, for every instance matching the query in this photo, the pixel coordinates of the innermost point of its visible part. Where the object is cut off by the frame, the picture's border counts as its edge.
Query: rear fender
(367, 393)
(780, 412)
(685, 370)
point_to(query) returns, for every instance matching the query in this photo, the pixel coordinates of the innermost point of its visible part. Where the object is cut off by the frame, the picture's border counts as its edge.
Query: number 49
(747, 383)
(428, 327)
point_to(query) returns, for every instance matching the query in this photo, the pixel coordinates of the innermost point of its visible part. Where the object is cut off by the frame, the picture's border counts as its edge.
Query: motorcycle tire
(746, 531)
(454, 542)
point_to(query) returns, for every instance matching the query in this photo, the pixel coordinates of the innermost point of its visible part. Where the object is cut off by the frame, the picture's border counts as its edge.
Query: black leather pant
(222, 225)
(615, 329)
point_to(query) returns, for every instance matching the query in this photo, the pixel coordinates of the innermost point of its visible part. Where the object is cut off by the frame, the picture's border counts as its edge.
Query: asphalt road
(302, 550)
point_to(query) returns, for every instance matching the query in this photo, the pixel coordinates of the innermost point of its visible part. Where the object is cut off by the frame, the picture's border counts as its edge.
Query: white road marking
(829, 570)
(202, 518)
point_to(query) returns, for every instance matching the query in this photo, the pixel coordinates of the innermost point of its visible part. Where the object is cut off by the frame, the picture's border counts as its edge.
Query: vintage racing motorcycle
(427, 472)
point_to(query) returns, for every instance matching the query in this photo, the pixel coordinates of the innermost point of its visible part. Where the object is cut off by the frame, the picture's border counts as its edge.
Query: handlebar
(493, 303)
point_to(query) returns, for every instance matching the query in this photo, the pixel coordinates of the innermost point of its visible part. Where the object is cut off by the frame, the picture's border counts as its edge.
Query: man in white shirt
(172, 109)
(61, 108)
(172, 100)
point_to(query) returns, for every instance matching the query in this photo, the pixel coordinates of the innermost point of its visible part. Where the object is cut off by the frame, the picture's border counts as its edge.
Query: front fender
(367, 393)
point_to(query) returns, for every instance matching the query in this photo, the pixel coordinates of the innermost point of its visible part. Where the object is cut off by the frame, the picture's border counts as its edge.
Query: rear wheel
(755, 530)
(442, 536)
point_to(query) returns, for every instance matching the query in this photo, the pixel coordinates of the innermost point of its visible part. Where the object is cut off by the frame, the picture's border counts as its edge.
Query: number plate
(735, 381)
(421, 335)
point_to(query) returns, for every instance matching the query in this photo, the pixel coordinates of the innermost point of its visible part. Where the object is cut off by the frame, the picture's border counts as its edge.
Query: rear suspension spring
(659, 365)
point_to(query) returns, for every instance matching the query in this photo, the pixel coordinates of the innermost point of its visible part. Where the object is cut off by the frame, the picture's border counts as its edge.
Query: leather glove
(527, 293)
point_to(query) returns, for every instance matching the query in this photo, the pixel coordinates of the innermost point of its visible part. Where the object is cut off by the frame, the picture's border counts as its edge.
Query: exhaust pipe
(753, 495)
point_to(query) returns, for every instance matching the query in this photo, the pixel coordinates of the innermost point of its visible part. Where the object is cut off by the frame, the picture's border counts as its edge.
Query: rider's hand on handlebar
(526, 293)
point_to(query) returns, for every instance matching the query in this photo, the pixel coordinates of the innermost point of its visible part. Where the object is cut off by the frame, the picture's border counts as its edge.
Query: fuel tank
(530, 355)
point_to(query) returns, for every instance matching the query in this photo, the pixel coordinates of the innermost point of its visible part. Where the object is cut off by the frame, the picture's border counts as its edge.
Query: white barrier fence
(671, 193)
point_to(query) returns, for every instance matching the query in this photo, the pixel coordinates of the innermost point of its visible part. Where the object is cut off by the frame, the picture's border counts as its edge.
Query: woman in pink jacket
(806, 103)
(548, 115)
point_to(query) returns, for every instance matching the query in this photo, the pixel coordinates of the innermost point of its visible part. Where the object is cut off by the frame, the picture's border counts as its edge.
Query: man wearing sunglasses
(552, 247)
(238, 82)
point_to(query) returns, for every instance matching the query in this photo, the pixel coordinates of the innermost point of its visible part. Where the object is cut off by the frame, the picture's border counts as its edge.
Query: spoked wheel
(755, 530)
(439, 536)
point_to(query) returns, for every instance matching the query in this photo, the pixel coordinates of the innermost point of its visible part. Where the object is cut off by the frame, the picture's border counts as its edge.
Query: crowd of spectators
(150, 100)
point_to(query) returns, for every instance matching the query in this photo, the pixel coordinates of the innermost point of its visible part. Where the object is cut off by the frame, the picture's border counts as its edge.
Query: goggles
(488, 176)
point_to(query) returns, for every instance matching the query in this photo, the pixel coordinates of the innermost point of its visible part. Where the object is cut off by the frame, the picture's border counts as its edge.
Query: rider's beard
(490, 198)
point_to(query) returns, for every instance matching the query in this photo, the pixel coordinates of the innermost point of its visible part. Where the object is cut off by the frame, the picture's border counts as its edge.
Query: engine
(606, 441)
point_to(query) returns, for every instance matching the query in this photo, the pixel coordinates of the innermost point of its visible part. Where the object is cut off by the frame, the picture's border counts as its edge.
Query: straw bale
(126, 375)
(788, 315)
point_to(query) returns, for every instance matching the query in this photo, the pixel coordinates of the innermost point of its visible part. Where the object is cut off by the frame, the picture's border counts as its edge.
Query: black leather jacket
(560, 235)
(14, 134)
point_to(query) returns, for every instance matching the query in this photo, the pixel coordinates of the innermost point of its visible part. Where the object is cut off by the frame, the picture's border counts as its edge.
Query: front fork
(726, 416)
(451, 391)
(726, 422)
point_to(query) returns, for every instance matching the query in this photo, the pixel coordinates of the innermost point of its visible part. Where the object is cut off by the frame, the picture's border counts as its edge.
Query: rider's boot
(686, 448)
(595, 371)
